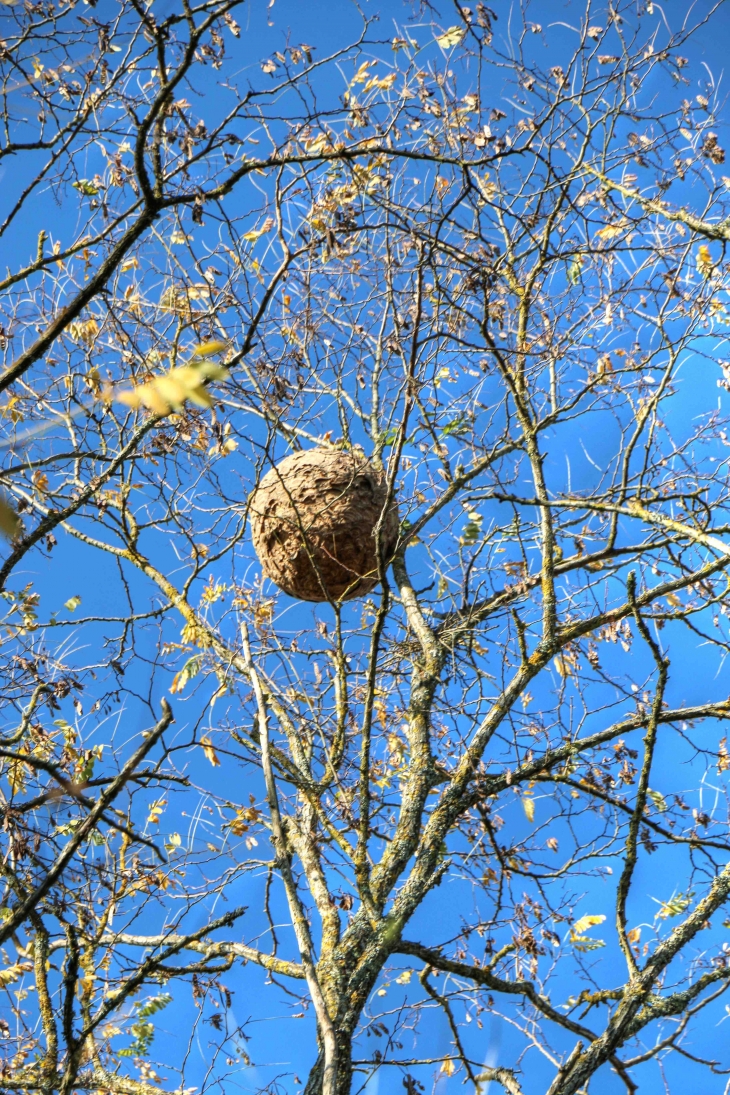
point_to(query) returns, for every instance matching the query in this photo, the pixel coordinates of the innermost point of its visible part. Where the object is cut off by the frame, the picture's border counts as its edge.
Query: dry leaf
(40, 481)
(210, 752)
(451, 37)
(174, 299)
(383, 82)
(528, 805)
(723, 757)
(711, 150)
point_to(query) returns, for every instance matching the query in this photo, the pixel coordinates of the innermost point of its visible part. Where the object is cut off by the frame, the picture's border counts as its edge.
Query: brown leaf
(711, 150)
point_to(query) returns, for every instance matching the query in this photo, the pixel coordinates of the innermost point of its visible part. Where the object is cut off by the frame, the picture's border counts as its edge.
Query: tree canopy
(470, 827)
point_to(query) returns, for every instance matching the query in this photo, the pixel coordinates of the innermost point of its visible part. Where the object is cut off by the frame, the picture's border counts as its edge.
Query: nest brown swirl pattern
(313, 520)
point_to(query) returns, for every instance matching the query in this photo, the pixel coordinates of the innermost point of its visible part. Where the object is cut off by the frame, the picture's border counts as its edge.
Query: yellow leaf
(156, 809)
(12, 973)
(676, 905)
(610, 231)
(93, 379)
(11, 409)
(486, 188)
(188, 671)
(448, 1067)
(705, 264)
(208, 349)
(383, 82)
(658, 799)
(89, 189)
(169, 393)
(209, 751)
(84, 330)
(673, 600)
(451, 37)
(584, 923)
(175, 299)
(195, 634)
(361, 75)
(528, 805)
(225, 449)
(72, 603)
(9, 523)
(257, 233)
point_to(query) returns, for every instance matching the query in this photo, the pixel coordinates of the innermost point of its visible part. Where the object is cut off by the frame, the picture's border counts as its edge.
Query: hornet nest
(316, 519)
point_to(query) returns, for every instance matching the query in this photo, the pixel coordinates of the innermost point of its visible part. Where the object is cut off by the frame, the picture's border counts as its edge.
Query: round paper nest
(314, 520)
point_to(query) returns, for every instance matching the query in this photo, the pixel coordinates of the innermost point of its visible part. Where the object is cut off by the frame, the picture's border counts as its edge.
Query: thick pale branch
(209, 950)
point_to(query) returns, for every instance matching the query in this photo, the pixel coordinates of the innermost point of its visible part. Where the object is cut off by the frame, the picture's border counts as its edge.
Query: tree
(506, 281)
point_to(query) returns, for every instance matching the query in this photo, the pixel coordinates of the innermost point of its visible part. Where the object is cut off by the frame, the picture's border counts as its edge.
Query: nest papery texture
(313, 520)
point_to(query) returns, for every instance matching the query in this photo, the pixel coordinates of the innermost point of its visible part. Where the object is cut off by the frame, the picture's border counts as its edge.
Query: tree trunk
(344, 1067)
